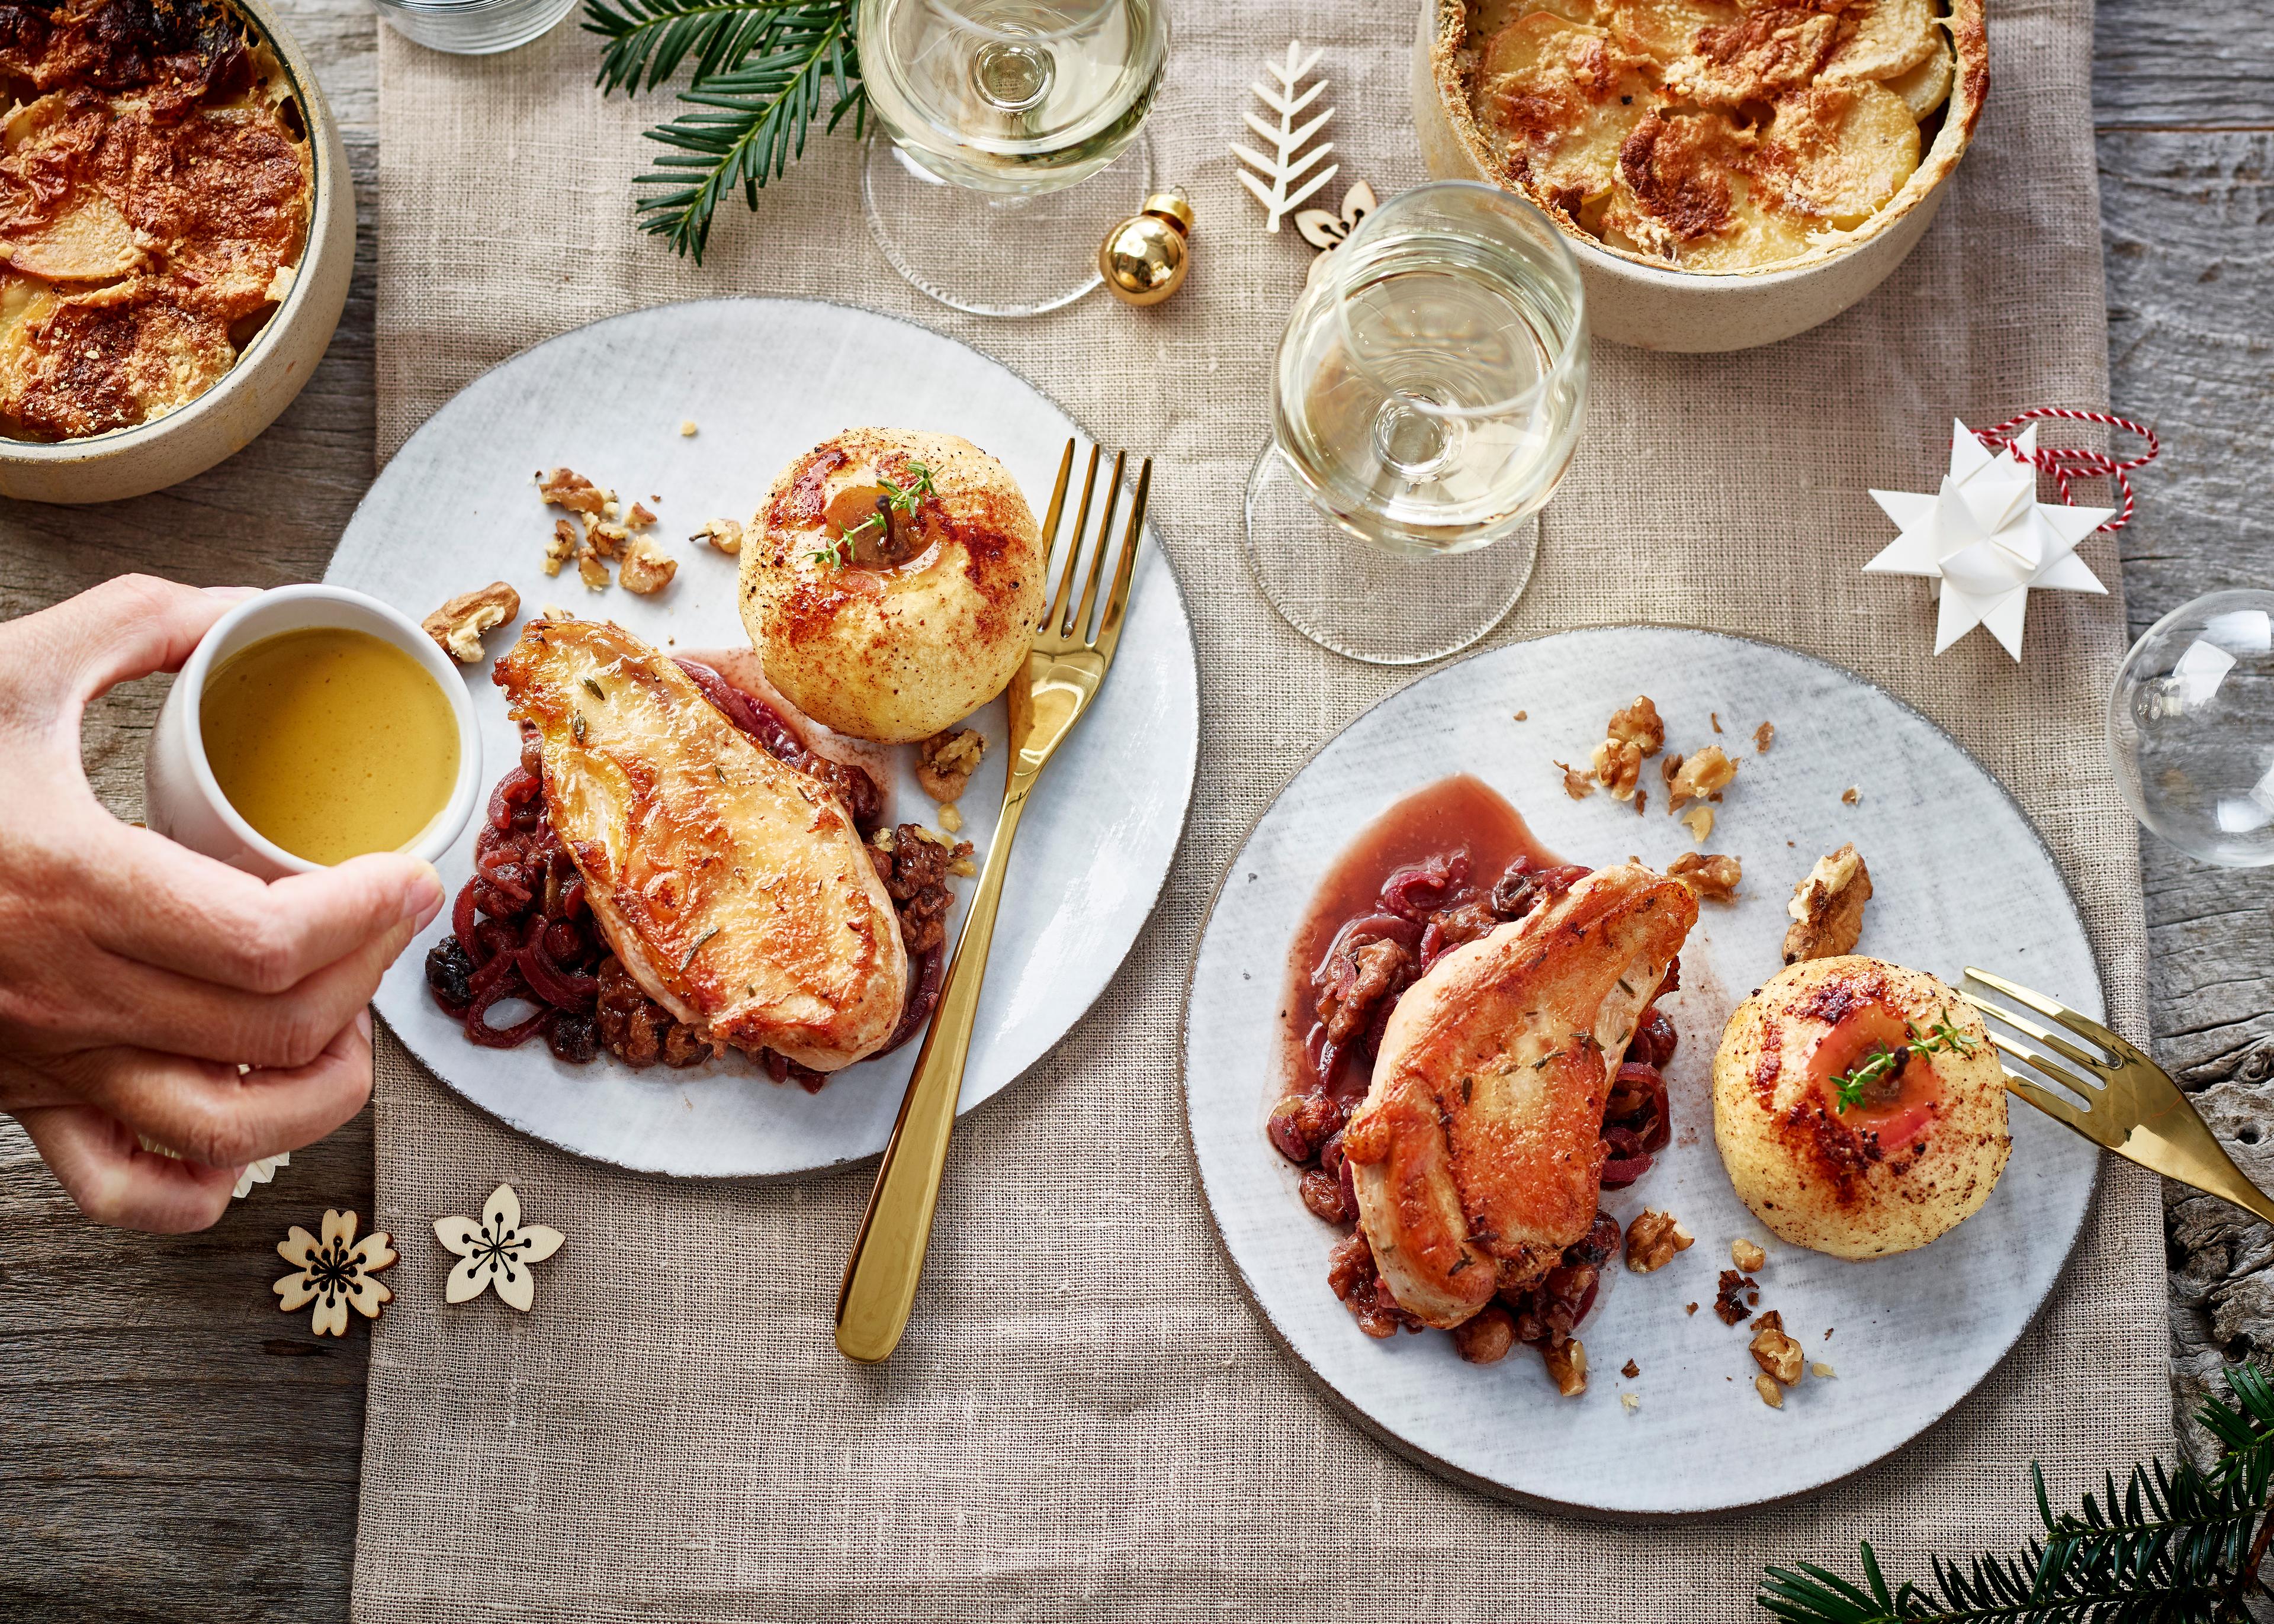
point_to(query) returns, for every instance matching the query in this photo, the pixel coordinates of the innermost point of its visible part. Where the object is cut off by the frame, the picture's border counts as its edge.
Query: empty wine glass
(1010, 138)
(1427, 399)
(2191, 727)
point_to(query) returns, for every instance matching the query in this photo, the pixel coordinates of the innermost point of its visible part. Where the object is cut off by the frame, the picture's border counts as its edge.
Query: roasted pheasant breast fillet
(1478, 1153)
(734, 887)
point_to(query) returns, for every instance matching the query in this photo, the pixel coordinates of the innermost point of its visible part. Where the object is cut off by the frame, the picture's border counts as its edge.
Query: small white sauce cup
(182, 800)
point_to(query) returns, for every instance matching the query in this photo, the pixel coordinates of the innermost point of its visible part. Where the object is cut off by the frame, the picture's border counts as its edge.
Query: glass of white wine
(1011, 137)
(1427, 399)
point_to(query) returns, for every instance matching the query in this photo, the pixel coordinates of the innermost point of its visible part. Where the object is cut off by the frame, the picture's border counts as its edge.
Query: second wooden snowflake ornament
(496, 1253)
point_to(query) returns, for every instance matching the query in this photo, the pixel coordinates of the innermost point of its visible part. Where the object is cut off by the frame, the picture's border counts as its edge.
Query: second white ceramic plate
(1960, 878)
(762, 382)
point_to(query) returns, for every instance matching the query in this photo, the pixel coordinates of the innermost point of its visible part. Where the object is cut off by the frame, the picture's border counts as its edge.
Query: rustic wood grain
(176, 1449)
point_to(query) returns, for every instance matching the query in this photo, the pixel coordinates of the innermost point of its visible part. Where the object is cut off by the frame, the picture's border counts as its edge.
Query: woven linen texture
(1084, 1418)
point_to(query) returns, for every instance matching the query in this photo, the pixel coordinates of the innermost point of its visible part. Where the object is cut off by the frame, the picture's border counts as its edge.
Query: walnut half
(947, 762)
(1653, 1239)
(1567, 1363)
(459, 624)
(1715, 877)
(646, 568)
(1775, 1352)
(1828, 908)
(1703, 775)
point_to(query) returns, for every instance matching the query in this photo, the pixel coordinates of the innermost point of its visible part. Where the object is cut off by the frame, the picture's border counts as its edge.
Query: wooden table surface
(171, 1448)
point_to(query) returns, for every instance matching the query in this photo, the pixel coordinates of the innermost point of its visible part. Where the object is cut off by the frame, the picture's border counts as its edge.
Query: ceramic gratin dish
(273, 367)
(1634, 300)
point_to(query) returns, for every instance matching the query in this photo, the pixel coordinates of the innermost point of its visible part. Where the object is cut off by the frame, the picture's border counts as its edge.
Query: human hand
(136, 977)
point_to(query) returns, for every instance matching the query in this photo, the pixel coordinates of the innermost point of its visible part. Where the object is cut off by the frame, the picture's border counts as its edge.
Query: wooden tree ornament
(1282, 181)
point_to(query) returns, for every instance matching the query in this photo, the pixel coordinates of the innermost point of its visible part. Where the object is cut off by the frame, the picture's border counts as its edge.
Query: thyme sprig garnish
(900, 498)
(2174, 1544)
(1940, 1038)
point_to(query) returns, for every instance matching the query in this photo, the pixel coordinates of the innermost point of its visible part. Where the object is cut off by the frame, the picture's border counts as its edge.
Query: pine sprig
(2175, 1546)
(761, 71)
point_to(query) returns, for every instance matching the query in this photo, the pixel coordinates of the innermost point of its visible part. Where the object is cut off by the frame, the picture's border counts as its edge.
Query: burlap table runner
(1084, 1417)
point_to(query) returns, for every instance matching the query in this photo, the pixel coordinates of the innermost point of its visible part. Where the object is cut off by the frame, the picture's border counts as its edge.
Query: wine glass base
(990, 253)
(1352, 597)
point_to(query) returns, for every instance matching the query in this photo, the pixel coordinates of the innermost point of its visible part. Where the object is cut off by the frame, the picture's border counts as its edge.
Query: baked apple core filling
(1898, 1097)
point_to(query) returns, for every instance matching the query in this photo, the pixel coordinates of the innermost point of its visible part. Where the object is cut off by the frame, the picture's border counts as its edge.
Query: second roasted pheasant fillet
(734, 888)
(1478, 1153)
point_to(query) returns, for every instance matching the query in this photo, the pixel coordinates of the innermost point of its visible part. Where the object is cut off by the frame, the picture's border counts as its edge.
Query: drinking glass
(2191, 728)
(1427, 399)
(1010, 139)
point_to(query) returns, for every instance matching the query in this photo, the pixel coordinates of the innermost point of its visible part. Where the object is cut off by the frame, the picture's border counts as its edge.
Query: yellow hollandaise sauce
(330, 741)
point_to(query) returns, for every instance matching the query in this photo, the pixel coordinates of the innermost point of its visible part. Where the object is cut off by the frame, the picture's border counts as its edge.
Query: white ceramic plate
(764, 380)
(1959, 877)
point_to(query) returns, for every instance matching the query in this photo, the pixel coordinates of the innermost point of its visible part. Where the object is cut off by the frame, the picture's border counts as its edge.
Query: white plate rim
(1190, 648)
(1382, 1434)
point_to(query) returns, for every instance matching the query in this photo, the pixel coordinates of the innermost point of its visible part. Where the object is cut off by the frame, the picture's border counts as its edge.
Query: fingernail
(233, 594)
(421, 899)
(362, 1023)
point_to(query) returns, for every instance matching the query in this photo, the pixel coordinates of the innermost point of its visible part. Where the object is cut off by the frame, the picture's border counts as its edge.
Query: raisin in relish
(1441, 868)
(521, 932)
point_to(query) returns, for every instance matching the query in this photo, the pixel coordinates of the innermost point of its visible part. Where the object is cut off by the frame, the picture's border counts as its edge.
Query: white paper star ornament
(1984, 539)
(497, 1252)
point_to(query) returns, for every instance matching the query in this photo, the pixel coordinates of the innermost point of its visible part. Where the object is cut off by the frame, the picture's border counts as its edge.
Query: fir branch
(2176, 1545)
(762, 69)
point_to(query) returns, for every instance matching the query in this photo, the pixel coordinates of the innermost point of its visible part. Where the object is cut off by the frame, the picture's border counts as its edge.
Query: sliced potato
(87, 240)
(1770, 49)
(1685, 196)
(1490, 17)
(1924, 86)
(1835, 153)
(1665, 29)
(1889, 37)
(1565, 97)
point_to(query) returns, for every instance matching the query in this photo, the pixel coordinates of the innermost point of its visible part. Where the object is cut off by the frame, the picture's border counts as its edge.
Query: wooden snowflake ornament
(335, 1273)
(497, 1252)
(1282, 181)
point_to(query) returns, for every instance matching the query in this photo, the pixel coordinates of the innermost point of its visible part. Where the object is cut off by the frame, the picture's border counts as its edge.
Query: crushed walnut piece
(1732, 1286)
(687, 428)
(1690, 1308)
(1630, 1402)
(946, 762)
(1700, 821)
(1520, 715)
(1820, 1370)
(1576, 784)
(963, 867)
(1772, 1395)
(1777, 1354)
(458, 625)
(639, 518)
(1653, 1239)
(1714, 716)
(1617, 767)
(1669, 765)
(1714, 878)
(1638, 724)
(1828, 908)
(566, 488)
(1630, 1369)
(1567, 1363)
(1763, 736)
(1748, 1256)
(646, 568)
(1703, 775)
(1849, 796)
(724, 534)
(950, 818)
(590, 569)
(563, 547)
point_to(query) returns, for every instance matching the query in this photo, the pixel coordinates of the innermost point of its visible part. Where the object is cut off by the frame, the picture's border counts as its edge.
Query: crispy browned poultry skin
(1478, 1153)
(734, 888)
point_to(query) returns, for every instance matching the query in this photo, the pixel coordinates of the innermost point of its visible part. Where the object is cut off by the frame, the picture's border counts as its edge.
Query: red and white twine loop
(2069, 462)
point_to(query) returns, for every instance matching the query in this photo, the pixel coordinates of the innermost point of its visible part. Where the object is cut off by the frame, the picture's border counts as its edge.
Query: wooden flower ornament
(497, 1252)
(336, 1272)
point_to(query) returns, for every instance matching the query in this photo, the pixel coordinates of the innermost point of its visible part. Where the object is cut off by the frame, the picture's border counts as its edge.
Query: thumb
(124, 629)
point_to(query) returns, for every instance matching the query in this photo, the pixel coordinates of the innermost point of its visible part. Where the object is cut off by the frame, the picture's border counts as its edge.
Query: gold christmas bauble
(1143, 259)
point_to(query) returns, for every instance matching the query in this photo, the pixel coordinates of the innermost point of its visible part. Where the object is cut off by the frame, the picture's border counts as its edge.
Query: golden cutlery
(1064, 670)
(2132, 1106)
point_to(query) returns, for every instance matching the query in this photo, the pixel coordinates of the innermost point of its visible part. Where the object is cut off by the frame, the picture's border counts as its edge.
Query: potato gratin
(156, 181)
(1715, 135)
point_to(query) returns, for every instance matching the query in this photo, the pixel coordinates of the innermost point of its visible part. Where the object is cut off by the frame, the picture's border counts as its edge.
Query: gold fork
(2133, 1107)
(1064, 670)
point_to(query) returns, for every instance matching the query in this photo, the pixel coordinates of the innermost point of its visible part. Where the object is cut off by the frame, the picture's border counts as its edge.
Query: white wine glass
(2191, 728)
(1426, 402)
(1011, 136)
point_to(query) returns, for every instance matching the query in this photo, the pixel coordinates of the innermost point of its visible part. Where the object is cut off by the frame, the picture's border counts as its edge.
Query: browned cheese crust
(153, 200)
(1478, 1154)
(734, 888)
